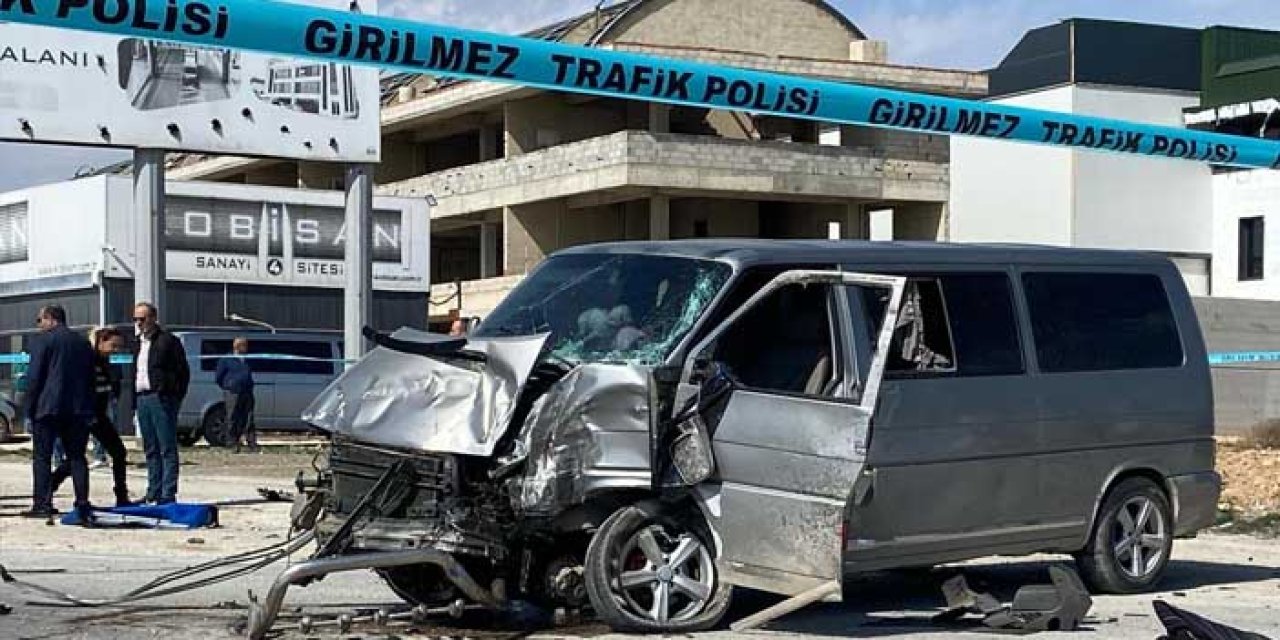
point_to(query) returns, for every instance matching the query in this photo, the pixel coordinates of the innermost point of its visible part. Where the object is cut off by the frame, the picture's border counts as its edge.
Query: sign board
(240, 234)
(107, 90)
(334, 36)
(275, 239)
(278, 236)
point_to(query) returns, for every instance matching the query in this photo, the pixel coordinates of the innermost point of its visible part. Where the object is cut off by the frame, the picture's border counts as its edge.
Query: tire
(6, 430)
(639, 542)
(214, 426)
(1118, 562)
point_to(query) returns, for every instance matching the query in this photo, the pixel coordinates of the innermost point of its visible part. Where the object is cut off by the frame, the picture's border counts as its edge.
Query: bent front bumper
(1195, 502)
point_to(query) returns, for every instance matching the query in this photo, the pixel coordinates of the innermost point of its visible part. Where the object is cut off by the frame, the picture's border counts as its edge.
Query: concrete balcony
(479, 297)
(639, 161)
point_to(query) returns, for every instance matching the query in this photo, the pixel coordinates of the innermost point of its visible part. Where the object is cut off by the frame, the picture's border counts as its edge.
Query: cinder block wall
(1244, 395)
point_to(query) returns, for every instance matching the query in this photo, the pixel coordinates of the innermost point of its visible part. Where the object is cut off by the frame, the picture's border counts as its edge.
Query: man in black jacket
(162, 377)
(59, 406)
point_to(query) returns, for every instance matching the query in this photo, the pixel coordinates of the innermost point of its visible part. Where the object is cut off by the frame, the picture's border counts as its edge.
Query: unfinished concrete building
(519, 173)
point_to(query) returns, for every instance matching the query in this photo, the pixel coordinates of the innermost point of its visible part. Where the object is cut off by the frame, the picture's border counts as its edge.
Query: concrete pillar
(659, 118)
(357, 311)
(530, 233)
(489, 240)
(660, 218)
(148, 208)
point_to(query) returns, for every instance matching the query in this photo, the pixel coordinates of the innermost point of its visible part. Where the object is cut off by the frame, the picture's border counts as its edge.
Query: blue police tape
(1250, 357)
(325, 34)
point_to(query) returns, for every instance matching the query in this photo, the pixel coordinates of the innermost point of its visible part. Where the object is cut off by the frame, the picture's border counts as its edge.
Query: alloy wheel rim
(1139, 539)
(663, 578)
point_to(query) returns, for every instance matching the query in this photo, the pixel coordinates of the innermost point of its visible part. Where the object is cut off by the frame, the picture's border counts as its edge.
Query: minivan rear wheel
(649, 571)
(215, 427)
(1132, 540)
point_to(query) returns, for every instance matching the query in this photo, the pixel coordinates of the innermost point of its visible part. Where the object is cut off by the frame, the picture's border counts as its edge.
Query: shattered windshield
(610, 307)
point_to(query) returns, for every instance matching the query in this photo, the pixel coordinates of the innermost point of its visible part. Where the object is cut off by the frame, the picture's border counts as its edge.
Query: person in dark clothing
(106, 387)
(235, 377)
(160, 385)
(59, 405)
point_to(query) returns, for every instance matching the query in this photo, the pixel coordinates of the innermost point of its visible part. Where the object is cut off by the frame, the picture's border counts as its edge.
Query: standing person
(235, 377)
(106, 388)
(59, 406)
(160, 385)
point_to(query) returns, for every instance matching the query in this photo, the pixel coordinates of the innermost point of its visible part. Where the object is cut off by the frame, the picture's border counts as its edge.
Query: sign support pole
(358, 267)
(149, 225)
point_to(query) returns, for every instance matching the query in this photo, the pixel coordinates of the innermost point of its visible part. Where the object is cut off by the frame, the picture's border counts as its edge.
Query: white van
(282, 387)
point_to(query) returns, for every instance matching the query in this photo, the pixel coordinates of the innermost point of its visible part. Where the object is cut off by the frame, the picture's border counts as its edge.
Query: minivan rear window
(967, 327)
(1101, 322)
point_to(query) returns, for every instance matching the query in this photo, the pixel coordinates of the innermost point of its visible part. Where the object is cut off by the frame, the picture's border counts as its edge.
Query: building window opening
(1252, 232)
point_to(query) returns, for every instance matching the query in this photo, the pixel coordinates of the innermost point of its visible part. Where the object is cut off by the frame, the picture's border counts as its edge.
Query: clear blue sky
(968, 34)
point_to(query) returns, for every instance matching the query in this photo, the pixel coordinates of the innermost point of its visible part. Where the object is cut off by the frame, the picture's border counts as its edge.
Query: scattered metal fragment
(275, 495)
(5, 609)
(1057, 607)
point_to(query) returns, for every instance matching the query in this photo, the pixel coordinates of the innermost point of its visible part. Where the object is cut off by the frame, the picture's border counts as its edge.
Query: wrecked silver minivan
(640, 427)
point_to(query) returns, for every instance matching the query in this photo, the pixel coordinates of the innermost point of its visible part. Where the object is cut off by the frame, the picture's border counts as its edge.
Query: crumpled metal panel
(564, 437)
(411, 401)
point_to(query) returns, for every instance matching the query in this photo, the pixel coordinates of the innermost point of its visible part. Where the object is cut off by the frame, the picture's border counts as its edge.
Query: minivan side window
(1101, 322)
(304, 348)
(960, 324)
(784, 344)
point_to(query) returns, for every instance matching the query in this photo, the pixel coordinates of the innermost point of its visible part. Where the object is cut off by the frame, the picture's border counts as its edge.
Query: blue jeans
(158, 424)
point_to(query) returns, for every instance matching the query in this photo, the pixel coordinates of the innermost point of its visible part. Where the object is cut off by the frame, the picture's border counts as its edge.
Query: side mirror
(691, 453)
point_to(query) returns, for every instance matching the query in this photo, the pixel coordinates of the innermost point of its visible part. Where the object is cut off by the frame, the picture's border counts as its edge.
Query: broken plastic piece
(961, 599)
(1057, 607)
(1184, 625)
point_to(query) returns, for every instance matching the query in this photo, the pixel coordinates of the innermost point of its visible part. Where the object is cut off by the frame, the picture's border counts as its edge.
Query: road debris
(275, 495)
(1184, 625)
(1057, 607)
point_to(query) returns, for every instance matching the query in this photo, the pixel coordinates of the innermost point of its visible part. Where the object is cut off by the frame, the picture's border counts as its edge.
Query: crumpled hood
(412, 401)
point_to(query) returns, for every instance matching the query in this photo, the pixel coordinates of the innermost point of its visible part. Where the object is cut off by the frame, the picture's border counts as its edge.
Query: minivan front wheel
(1132, 540)
(648, 571)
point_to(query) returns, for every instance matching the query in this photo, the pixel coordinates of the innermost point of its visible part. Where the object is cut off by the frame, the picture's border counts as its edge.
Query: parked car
(10, 418)
(644, 426)
(283, 387)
